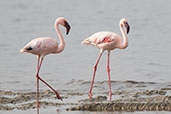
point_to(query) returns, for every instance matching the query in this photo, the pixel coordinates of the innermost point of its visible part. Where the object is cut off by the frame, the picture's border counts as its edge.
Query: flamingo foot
(110, 96)
(90, 95)
(38, 105)
(58, 96)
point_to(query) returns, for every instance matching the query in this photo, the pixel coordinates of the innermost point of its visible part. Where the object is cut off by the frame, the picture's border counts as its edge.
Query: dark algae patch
(33, 105)
(24, 101)
(124, 107)
(96, 99)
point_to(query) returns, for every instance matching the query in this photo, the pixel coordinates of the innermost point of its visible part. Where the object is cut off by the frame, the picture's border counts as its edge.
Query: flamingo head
(124, 22)
(63, 22)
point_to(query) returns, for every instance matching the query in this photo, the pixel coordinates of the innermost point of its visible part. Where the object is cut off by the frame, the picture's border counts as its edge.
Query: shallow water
(147, 59)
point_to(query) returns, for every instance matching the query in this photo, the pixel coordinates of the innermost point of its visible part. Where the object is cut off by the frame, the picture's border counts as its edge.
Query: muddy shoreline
(157, 103)
(148, 100)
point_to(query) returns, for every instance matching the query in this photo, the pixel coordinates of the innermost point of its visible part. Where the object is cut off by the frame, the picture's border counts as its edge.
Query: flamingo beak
(127, 27)
(67, 27)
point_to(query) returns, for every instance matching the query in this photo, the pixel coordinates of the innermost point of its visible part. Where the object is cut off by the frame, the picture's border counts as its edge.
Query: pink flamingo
(43, 46)
(107, 41)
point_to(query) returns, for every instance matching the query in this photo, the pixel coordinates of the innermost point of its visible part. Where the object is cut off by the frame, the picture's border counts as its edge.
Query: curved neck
(125, 39)
(61, 46)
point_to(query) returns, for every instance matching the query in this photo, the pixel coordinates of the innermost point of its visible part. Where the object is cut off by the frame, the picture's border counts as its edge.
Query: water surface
(146, 59)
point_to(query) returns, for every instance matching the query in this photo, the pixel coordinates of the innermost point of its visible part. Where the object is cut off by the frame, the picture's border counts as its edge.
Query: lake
(147, 58)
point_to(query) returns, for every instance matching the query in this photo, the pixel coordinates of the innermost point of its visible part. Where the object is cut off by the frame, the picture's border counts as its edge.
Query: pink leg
(57, 95)
(95, 68)
(108, 70)
(38, 105)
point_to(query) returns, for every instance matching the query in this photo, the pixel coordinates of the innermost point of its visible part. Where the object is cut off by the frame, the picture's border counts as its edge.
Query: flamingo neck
(61, 46)
(125, 39)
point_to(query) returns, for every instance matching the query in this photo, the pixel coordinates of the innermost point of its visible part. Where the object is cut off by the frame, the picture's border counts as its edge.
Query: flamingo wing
(99, 38)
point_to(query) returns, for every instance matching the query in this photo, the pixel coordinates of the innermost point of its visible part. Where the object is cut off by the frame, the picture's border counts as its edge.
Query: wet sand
(148, 100)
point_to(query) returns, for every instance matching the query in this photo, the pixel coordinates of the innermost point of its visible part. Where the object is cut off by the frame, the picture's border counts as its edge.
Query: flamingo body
(107, 41)
(104, 40)
(41, 46)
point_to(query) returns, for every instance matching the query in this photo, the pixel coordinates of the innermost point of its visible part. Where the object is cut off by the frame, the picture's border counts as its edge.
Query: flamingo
(43, 46)
(107, 41)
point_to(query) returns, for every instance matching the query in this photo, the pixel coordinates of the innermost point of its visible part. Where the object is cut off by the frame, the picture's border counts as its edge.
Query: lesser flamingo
(108, 41)
(43, 46)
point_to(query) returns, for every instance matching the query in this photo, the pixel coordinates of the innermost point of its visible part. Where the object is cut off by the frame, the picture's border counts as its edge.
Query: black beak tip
(67, 27)
(128, 28)
(67, 32)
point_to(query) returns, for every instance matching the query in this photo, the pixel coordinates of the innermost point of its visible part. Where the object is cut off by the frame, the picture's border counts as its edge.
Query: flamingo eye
(125, 23)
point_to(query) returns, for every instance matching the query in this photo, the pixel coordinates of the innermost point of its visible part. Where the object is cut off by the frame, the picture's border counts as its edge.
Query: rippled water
(147, 58)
